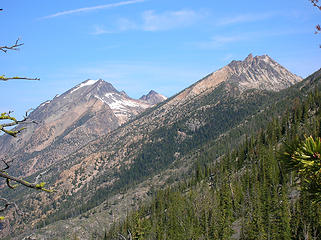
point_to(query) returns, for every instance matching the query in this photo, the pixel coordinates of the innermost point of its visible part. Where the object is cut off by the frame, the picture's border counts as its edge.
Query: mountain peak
(260, 72)
(88, 82)
(90, 109)
(91, 86)
(249, 58)
(152, 92)
(123, 93)
(153, 97)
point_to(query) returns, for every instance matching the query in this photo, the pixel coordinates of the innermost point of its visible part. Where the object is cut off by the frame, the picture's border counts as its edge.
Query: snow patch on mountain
(123, 104)
(119, 103)
(84, 84)
(45, 103)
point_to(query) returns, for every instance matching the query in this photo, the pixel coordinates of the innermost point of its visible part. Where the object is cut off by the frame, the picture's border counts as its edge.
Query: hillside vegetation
(247, 194)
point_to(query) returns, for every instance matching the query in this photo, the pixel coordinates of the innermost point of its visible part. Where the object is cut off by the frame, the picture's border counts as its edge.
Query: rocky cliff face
(69, 121)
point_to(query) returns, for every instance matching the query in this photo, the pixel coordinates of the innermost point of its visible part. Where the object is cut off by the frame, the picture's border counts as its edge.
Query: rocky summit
(153, 97)
(260, 72)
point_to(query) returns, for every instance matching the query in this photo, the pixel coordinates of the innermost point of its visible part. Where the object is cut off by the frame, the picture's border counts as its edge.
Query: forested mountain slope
(111, 174)
(247, 194)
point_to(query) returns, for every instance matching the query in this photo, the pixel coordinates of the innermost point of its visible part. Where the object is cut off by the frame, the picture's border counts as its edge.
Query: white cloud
(168, 20)
(222, 40)
(219, 41)
(98, 30)
(151, 22)
(124, 24)
(244, 18)
(88, 9)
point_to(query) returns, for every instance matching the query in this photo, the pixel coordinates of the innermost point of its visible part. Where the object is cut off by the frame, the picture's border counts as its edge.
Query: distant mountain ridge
(70, 120)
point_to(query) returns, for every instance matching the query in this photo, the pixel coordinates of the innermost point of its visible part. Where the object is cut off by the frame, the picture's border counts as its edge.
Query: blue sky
(139, 45)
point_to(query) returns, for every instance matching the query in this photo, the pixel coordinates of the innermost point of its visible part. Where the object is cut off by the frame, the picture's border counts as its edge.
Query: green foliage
(305, 158)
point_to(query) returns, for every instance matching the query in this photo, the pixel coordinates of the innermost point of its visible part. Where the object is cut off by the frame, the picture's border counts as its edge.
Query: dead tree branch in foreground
(11, 122)
(13, 133)
(317, 4)
(15, 46)
(4, 78)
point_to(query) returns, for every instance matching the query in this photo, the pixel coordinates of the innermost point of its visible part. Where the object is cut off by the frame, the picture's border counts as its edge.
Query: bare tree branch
(35, 185)
(39, 186)
(316, 3)
(3, 174)
(7, 204)
(120, 235)
(318, 29)
(130, 235)
(5, 162)
(13, 47)
(14, 122)
(9, 121)
(4, 78)
(40, 176)
(3, 170)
